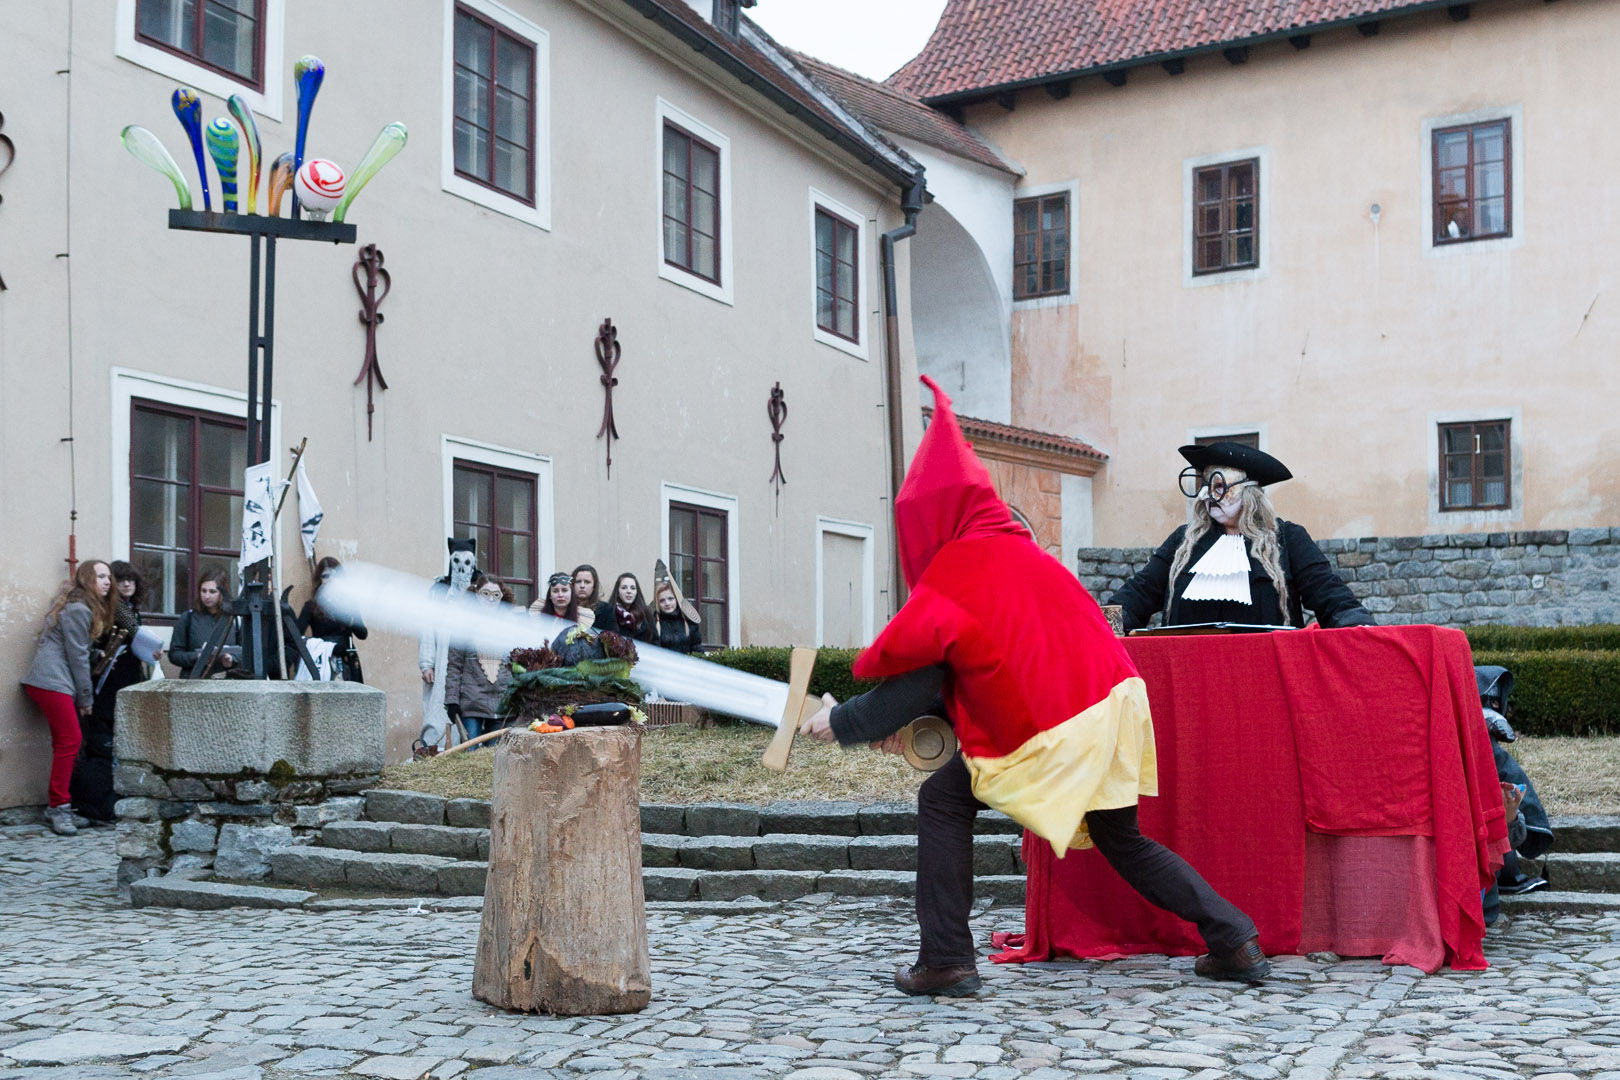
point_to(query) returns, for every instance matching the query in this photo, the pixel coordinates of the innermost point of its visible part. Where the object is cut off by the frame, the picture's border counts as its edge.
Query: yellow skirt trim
(1101, 759)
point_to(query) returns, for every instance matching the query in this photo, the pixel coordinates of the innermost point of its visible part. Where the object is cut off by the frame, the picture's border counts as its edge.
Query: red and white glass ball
(319, 187)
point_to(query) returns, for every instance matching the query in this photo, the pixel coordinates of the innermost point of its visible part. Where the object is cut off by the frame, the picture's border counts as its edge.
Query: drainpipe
(911, 204)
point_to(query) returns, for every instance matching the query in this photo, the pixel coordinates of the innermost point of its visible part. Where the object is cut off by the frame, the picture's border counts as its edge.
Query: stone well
(215, 774)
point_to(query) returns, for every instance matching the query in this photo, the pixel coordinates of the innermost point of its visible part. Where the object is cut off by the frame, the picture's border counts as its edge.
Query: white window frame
(454, 447)
(128, 385)
(725, 291)
(1451, 519)
(1514, 115)
(868, 536)
(858, 348)
(1072, 189)
(266, 102)
(538, 215)
(1189, 169)
(710, 500)
(1219, 430)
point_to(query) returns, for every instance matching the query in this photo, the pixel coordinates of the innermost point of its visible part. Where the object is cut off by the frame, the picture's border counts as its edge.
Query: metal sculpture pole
(607, 355)
(371, 261)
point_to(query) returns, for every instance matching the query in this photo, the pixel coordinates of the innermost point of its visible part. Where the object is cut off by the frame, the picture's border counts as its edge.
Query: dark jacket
(127, 669)
(1312, 583)
(191, 633)
(890, 706)
(676, 633)
(62, 659)
(317, 623)
(624, 622)
(469, 689)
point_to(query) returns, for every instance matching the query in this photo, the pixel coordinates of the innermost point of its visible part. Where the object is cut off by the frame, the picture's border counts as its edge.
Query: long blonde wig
(1257, 522)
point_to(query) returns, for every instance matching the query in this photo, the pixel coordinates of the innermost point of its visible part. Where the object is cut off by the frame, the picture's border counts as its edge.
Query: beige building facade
(1351, 336)
(129, 338)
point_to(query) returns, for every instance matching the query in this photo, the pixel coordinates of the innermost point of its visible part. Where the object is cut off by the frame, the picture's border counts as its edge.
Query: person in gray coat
(59, 678)
(475, 682)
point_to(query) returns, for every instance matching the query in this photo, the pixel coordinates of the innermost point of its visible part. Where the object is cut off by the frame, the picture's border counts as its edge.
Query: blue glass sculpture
(308, 73)
(188, 110)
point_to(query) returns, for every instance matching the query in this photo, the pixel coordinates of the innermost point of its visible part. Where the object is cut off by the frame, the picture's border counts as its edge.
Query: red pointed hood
(947, 494)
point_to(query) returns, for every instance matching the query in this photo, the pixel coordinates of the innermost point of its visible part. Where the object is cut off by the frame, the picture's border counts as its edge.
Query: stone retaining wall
(1546, 578)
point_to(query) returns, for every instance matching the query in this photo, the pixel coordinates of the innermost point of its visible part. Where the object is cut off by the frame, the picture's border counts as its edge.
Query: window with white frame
(701, 549)
(497, 111)
(1473, 182)
(221, 47)
(838, 254)
(1225, 214)
(502, 497)
(693, 168)
(1044, 248)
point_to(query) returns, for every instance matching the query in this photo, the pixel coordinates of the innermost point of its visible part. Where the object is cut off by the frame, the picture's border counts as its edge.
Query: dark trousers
(946, 808)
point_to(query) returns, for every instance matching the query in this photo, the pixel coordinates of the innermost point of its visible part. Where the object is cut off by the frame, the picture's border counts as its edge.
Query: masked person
(1235, 560)
(1053, 726)
(433, 653)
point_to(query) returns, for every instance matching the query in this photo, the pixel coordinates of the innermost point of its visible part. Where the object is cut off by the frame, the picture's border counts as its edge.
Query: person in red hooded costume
(1053, 722)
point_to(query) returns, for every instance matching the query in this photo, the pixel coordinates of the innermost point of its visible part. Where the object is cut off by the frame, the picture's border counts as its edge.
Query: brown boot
(1246, 963)
(960, 980)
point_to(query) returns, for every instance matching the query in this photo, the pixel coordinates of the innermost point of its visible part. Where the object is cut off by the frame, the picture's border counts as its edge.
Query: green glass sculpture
(251, 150)
(149, 150)
(223, 147)
(388, 143)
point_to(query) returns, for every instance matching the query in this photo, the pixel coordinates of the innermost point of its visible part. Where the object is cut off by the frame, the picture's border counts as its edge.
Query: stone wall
(215, 775)
(1546, 578)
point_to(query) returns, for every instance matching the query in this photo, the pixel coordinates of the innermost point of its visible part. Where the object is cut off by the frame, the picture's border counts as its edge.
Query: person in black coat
(588, 594)
(675, 620)
(314, 621)
(1237, 561)
(192, 631)
(631, 616)
(92, 784)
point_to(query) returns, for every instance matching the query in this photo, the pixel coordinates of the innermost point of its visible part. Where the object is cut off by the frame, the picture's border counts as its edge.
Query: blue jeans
(474, 725)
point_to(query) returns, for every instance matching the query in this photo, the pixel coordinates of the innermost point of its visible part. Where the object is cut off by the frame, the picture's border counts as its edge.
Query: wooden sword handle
(800, 666)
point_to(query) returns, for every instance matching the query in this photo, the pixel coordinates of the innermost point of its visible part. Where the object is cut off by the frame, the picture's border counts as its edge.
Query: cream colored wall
(1355, 334)
(488, 333)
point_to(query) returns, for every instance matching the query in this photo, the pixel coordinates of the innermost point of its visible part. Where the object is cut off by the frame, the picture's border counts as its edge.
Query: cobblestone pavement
(90, 989)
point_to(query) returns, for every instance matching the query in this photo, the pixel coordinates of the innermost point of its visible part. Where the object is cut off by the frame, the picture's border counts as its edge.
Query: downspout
(911, 204)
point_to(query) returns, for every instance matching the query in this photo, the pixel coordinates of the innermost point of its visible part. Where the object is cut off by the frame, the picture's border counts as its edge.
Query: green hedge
(830, 677)
(1565, 691)
(1562, 691)
(1542, 638)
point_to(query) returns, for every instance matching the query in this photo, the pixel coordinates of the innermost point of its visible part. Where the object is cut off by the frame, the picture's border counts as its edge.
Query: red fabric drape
(1368, 731)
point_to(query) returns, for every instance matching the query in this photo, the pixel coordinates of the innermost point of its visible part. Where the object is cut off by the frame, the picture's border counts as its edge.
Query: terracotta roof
(981, 45)
(755, 59)
(991, 431)
(901, 114)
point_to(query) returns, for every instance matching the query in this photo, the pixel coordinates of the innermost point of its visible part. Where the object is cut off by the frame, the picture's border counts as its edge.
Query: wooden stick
(485, 737)
(800, 667)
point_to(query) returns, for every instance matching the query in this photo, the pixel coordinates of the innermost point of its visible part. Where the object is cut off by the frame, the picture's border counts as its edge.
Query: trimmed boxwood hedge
(1542, 638)
(1556, 691)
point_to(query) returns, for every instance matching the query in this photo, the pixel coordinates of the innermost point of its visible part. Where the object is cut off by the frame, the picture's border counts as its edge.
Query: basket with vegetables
(550, 684)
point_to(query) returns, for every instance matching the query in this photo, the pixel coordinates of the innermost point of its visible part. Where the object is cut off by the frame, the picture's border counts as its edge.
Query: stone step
(384, 872)
(176, 892)
(1575, 835)
(1549, 902)
(1586, 872)
(680, 884)
(450, 841)
(416, 808)
(993, 854)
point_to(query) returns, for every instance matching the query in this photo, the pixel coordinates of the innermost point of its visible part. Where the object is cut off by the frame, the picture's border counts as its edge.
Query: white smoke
(402, 603)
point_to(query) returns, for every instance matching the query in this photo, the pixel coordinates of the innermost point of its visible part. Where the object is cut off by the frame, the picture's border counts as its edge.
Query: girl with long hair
(588, 591)
(195, 627)
(1235, 560)
(58, 680)
(559, 600)
(631, 615)
(117, 668)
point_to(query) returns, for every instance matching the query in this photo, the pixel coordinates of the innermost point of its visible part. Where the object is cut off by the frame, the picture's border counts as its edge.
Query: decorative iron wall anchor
(607, 355)
(10, 149)
(371, 261)
(776, 409)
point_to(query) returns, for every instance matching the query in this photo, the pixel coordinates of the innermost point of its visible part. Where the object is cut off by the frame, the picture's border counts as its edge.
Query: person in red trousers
(59, 678)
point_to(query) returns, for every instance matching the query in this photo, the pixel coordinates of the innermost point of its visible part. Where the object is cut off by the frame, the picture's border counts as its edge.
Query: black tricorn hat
(1259, 466)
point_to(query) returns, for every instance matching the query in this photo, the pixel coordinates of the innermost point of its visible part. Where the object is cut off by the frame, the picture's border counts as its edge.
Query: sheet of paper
(146, 645)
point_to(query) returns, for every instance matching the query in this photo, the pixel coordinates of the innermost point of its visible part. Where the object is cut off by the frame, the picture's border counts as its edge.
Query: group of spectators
(475, 682)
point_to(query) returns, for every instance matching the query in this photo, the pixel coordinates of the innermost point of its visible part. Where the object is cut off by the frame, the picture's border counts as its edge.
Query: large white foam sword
(405, 604)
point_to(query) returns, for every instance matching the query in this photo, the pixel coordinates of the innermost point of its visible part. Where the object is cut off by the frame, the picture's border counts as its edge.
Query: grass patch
(1573, 775)
(688, 765)
(721, 764)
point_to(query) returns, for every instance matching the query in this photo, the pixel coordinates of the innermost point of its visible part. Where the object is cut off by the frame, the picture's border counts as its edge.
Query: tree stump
(565, 919)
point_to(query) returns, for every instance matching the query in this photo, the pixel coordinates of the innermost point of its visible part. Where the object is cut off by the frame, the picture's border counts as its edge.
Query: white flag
(258, 512)
(309, 513)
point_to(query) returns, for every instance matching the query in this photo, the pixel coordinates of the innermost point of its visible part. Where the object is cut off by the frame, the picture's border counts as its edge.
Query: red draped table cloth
(1337, 785)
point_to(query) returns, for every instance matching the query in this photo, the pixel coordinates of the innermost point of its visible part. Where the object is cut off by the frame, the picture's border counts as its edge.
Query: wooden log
(565, 920)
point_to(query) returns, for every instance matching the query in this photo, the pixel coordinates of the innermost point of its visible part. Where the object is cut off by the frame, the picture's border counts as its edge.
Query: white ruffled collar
(1223, 572)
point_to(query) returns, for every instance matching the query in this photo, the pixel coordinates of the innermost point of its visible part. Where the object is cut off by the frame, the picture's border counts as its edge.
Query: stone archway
(958, 322)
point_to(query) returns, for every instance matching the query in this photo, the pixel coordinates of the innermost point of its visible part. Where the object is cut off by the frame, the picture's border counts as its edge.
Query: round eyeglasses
(1216, 486)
